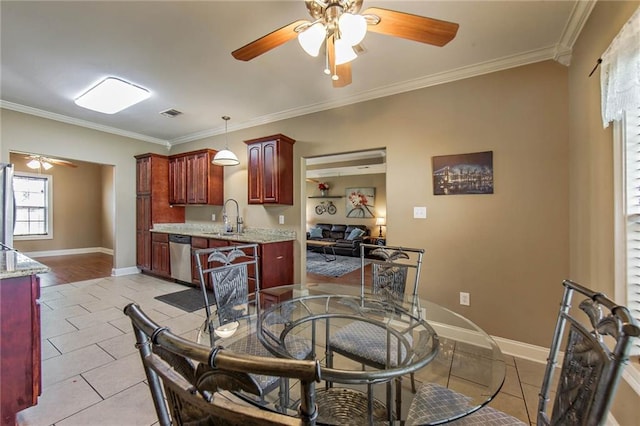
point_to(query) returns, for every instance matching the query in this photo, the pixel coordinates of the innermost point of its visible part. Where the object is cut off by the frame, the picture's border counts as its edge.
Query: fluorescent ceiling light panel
(112, 95)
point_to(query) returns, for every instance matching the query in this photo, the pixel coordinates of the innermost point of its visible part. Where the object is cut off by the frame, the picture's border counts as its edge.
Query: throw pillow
(315, 233)
(355, 233)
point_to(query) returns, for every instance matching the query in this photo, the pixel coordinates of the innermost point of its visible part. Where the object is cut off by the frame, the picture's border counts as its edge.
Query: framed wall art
(463, 173)
(360, 202)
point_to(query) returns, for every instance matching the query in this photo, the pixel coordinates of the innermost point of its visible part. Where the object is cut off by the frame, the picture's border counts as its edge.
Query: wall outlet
(419, 212)
(213, 217)
(464, 298)
(281, 219)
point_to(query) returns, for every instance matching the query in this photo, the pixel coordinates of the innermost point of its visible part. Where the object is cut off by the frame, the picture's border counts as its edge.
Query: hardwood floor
(76, 267)
(81, 267)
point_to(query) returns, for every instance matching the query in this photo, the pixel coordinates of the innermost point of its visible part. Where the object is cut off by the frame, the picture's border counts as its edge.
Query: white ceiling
(53, 51)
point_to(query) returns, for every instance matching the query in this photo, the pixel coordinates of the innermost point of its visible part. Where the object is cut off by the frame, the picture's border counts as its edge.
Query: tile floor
(91, 371)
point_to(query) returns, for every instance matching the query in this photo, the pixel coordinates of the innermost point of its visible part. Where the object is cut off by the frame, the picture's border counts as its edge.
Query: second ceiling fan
(338, 25)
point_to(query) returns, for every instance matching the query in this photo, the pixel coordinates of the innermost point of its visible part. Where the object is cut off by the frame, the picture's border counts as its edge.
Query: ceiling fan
(39, 161)
(339, 24)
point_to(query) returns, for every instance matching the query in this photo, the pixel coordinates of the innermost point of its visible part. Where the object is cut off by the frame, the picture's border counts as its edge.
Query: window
(33, 206)
(628, 135)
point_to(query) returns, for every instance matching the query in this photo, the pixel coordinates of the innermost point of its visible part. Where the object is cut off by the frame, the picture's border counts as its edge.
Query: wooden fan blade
(412, 27)
(60, 162)
(268, 42)
(343, 71)
(344, 75)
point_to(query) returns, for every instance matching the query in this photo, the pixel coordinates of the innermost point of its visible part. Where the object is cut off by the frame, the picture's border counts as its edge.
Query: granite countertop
(250, 235)
(15, 264)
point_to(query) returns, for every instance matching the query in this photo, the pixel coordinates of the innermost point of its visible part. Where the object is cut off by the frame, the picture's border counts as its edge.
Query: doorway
(82, 224)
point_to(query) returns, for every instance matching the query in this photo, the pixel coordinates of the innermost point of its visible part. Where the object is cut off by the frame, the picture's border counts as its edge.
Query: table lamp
(380, 221)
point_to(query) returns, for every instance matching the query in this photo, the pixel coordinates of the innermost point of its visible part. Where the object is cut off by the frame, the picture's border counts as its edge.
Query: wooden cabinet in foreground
(270, 170)
(193, 179)
(20, 383)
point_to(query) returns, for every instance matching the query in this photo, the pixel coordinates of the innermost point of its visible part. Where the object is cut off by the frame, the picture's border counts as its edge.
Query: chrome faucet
(228, 227)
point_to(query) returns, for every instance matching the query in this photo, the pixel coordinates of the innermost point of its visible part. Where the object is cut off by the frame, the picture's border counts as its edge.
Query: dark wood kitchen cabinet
(152, 203)
(275, 264)
(20, 365)
(193, 179)
(160, 255)
(270, 170)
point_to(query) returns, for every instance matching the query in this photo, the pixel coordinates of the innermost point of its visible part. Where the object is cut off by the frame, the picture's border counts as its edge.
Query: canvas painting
(463, 174)
(360, 202)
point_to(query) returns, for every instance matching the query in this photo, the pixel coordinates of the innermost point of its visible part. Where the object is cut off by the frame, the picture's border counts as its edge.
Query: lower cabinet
(20, 367)
(160, 256)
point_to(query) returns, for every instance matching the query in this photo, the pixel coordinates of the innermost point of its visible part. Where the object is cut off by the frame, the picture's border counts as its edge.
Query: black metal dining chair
(228, 269)
(186, 393)
(596, 346)
(365, 342)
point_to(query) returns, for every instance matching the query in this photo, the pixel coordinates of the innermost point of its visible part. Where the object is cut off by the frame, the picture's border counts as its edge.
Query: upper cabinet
(193, 179)
(270, 174)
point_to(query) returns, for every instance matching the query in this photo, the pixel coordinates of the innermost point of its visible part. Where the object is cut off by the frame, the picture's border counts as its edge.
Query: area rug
(189, 300)
(316, 264)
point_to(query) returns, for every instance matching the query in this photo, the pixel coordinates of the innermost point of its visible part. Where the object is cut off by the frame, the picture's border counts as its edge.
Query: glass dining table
(423, 339)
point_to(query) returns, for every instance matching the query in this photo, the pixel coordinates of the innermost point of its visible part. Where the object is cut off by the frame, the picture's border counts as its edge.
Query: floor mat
(189, 300)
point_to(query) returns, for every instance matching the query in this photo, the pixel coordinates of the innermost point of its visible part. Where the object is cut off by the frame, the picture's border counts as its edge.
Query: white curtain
(620, 72)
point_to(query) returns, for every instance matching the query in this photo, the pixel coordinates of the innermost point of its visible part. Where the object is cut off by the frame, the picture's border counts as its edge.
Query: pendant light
(225, 157)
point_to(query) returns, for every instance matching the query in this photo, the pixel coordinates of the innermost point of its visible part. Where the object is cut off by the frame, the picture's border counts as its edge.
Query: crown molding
(406, 86)
(81, 123)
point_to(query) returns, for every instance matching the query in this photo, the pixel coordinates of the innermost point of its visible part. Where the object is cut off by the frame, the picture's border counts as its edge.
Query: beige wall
(509, 250)
(591, 172)
(107, 206)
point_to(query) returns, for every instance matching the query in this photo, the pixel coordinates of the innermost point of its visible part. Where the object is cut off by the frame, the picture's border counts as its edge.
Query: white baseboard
(66, 252)
(131, 270)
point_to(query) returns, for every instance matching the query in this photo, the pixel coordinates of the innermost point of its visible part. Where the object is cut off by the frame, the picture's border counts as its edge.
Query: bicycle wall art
(360, 202)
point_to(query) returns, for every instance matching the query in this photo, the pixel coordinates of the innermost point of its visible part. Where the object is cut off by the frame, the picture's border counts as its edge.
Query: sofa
(346, 237)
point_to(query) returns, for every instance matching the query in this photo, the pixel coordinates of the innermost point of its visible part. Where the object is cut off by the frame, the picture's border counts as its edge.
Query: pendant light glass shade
(225, 157)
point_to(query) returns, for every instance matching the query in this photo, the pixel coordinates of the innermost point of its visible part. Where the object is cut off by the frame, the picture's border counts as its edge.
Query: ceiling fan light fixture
(312, 38)
(344, 52)
(112, 95)
(353, 28)
(225, 157)
(46, 165)
(33, 164)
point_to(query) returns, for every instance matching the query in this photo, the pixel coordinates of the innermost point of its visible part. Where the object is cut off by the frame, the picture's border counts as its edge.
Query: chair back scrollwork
(193, 384)
(597, 347)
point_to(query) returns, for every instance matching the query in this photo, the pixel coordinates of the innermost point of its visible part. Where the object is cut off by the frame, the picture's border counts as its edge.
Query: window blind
(632, 142)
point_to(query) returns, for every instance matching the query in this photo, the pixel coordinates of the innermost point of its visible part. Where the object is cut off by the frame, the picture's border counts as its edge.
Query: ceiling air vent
(171, 113)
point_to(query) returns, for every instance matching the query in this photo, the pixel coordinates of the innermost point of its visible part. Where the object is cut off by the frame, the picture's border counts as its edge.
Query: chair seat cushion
(298, 347)
(368, 341)
(434, 402)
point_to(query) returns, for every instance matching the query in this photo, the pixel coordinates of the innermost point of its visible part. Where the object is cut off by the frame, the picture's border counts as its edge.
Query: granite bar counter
(15, 264)
(250, 235)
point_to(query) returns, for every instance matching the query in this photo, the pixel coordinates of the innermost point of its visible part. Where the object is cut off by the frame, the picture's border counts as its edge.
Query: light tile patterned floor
(91, 371)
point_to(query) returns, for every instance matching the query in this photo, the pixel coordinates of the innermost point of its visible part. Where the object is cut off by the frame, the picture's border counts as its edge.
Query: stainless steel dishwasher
(180, 257)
